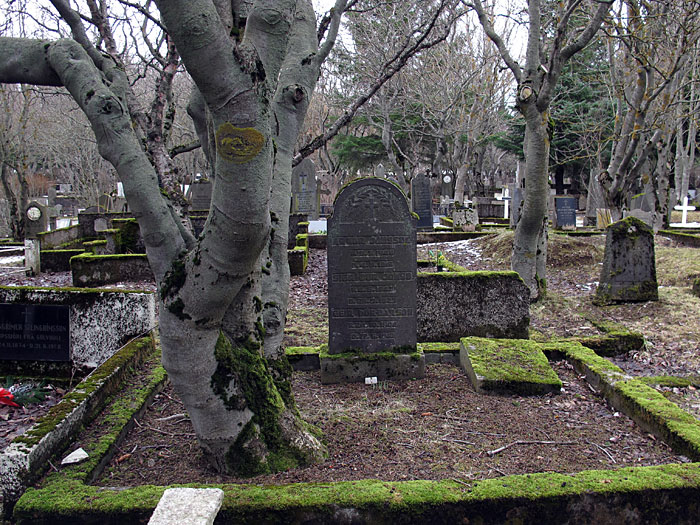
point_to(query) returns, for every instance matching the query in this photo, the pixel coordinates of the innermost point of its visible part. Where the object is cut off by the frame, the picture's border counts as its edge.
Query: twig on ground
(460, 441)
(603, 450)
(495, 451)
(460, 482)
(169, 418)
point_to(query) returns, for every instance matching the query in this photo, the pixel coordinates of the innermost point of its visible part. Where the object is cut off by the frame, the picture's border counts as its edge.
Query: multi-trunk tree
(223, 295)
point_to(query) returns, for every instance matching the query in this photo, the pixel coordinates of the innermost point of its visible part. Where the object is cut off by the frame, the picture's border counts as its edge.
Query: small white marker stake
(370, 380)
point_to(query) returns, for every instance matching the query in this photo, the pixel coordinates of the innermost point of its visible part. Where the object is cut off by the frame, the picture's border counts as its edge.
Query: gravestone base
(385, 366)
(504, 366)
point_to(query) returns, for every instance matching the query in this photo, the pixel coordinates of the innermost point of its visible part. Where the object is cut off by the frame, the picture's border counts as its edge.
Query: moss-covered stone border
(26, 458)
(658, 494)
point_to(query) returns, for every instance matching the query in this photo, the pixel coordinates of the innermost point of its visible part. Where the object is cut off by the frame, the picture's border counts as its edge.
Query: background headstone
(305, 190)
(422, 200)
(371, 269)
(629, 264)
(465, 219)
(36, 219)
(379, 171)
(565, 208)
(200, 195)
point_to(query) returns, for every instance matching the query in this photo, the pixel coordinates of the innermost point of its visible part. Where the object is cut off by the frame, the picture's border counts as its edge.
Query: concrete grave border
(25, 459)
(659, 494)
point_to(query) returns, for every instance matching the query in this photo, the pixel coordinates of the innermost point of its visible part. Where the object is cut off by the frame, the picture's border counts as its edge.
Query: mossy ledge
(646, 406)
(661, 494)
(658, 494)
(27, 456)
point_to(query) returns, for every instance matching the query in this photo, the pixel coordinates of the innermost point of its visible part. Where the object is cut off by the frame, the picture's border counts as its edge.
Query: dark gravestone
(371, 270)
(305, 191)
(36, 219)
(629, 264)
(565, 212)
(34, 332)
(200, 195)
(422, 201)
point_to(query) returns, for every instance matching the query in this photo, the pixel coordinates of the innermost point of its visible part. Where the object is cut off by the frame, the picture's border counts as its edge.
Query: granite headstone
(200, 195)
(422, 201)
(305, 190)
(371, 269)
(34, 332)
(565, 208)
(37, 219)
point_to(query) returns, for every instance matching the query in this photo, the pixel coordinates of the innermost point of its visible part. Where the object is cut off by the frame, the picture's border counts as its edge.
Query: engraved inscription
(371, 269)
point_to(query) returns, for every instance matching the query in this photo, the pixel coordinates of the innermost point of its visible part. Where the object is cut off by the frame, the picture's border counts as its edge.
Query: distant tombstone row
(371, 269)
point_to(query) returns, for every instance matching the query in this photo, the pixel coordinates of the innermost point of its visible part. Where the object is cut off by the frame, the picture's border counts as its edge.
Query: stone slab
(385, 366)
(452, 305)
(187, 505)
(502, 366)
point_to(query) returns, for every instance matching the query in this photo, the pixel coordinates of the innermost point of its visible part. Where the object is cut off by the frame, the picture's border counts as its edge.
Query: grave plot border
(660, 494)
(27, 456)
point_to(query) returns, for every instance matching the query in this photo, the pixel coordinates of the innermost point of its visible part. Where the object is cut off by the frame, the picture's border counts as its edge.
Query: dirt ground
(438, 427)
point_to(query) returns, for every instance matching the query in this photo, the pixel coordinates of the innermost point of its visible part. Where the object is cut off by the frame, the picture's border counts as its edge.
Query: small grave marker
(685, 209)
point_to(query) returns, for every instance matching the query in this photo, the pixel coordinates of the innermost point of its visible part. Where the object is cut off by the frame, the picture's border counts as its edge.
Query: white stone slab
(75, 457)
(186, 505)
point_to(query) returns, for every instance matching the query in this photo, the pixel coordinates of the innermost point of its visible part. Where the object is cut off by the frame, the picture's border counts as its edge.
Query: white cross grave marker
(685, 209)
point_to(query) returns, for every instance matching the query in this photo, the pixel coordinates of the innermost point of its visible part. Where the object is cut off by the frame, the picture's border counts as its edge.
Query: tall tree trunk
(529, 243)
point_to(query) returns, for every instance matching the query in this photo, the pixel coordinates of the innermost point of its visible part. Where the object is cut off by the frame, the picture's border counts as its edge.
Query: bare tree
(550, 43)
(223, 295)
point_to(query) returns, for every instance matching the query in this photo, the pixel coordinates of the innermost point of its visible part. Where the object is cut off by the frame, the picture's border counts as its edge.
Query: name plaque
(34, 332)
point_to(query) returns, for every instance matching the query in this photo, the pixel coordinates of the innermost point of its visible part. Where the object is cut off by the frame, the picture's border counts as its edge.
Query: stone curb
(25, 459)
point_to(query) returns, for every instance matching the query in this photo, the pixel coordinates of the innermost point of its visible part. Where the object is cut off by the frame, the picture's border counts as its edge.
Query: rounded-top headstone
(371, 269)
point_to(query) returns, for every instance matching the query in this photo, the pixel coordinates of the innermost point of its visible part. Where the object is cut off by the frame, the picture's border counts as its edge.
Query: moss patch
(505, 365)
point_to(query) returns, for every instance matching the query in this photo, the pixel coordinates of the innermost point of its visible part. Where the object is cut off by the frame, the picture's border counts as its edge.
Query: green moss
(301, 350)
(177, 308)
(508, 360)
(576, 351)
(123, 256)
(680, 429)
(241, 364)
(358, 354)
(671, 381)
(384, 502)
(438, 347)
(128, 355)
(28, 289)
(174, 278)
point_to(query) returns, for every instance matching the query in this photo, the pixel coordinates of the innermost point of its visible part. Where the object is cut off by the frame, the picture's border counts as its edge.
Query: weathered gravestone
(565, 212)
(305, 191)
(422, 201)
(371, 286)
(37, 219)
(465, 219)
(200, 195)
(629, 264)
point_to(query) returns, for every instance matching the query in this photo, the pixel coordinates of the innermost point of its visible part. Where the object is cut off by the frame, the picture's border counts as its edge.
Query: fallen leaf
(123, 458)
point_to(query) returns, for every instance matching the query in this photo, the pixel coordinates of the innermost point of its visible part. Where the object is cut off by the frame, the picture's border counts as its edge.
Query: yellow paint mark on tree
(238, 145)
